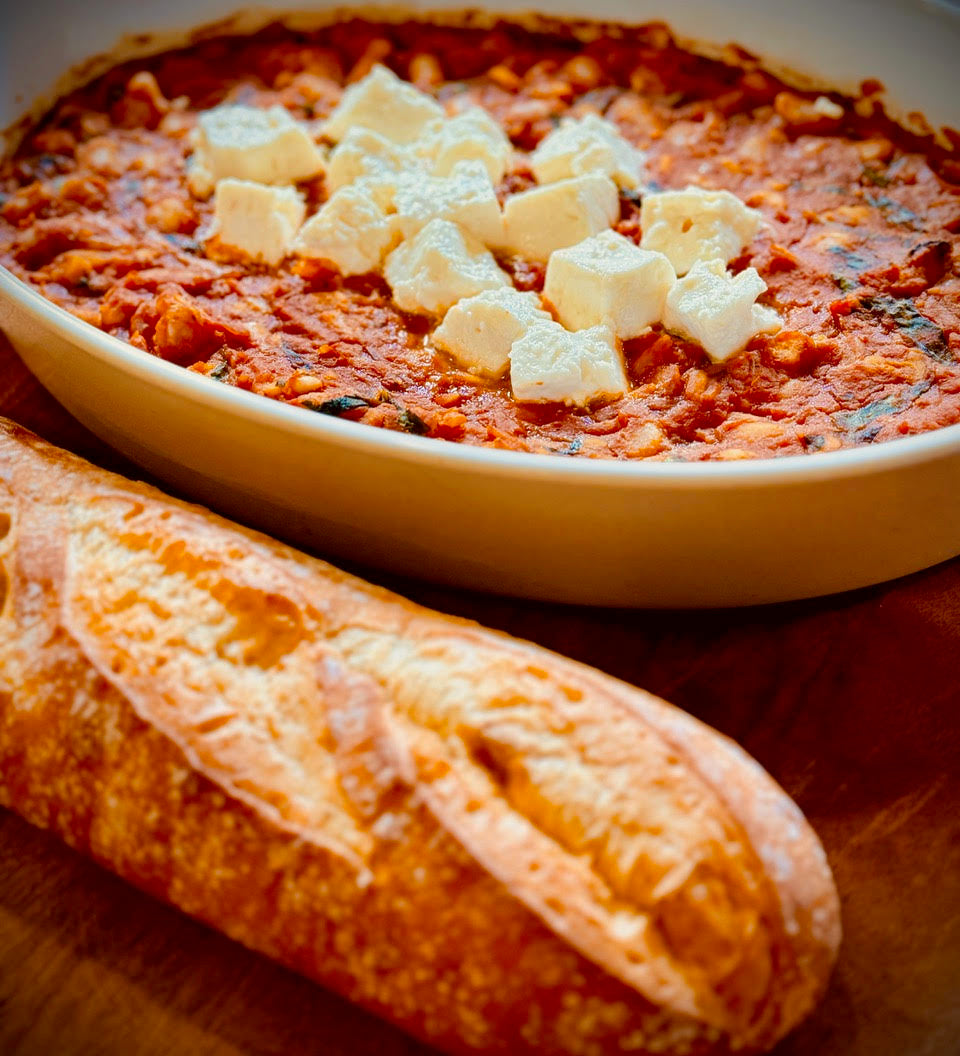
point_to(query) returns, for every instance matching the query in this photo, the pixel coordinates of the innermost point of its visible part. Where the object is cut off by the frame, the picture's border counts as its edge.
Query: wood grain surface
(851, 702)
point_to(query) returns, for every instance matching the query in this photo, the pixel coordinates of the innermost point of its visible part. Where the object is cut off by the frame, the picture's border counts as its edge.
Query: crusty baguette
(494, 847)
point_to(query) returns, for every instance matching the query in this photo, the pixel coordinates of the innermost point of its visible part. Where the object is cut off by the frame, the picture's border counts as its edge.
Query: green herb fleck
(845, 284)
(921, 331)
(874, 177)
(412, 423)
(49, 165)
(185, 242)
(862, 416)
(220, 371)
(855, 421)
(895, 212)
(851, 260)
(812, 443)
(575, 444)
(599, 98)
(338, 405)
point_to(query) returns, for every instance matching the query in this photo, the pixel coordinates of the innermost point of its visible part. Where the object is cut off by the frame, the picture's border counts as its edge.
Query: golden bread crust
(494, 847)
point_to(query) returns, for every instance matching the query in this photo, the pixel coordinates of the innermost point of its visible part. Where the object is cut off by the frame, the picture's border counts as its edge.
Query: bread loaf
(494, 847)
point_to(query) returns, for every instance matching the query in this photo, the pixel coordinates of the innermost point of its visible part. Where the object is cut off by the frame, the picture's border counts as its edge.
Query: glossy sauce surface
(858, 252)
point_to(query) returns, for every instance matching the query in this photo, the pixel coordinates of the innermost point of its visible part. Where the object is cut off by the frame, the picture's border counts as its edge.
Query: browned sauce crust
(859, 253)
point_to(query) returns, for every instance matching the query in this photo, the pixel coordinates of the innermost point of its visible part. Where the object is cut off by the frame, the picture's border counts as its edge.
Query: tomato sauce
(859, 250)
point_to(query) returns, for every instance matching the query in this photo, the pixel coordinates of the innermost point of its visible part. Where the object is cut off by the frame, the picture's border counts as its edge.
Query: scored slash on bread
(494, 847)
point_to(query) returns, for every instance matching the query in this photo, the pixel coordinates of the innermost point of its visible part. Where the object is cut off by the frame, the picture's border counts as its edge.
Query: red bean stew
(859, 249)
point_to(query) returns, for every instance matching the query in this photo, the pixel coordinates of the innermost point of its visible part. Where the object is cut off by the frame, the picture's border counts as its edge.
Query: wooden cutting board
(851, 702)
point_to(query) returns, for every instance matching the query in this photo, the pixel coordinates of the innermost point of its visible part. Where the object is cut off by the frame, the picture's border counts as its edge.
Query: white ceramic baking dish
(571, 530)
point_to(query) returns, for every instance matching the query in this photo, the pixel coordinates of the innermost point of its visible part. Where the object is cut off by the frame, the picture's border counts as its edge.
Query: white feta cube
(350, 230)
(716, 309)
(549, 364)
(384, 103)
(256, 220)
(249, 143)
(465, 197)
(382, 188)
(608, 280)
(588, 145)
(479, 331)
(365, 153)
(438, 267)
(543, 219)
(472, 135)
(694, 224)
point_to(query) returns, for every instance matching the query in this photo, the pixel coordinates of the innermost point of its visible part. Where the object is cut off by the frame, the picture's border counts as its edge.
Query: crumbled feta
(384, 103)
(551, 364)
(255, 219)
(363, 152)
(478, 331)
(826, 107)
(695, 224)
(470, 135)
(350, 230)
(608, 279)
(249, 143)
(560, 214)
(466, 197)
(438, 267)
(590, 144)
(717, 310)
